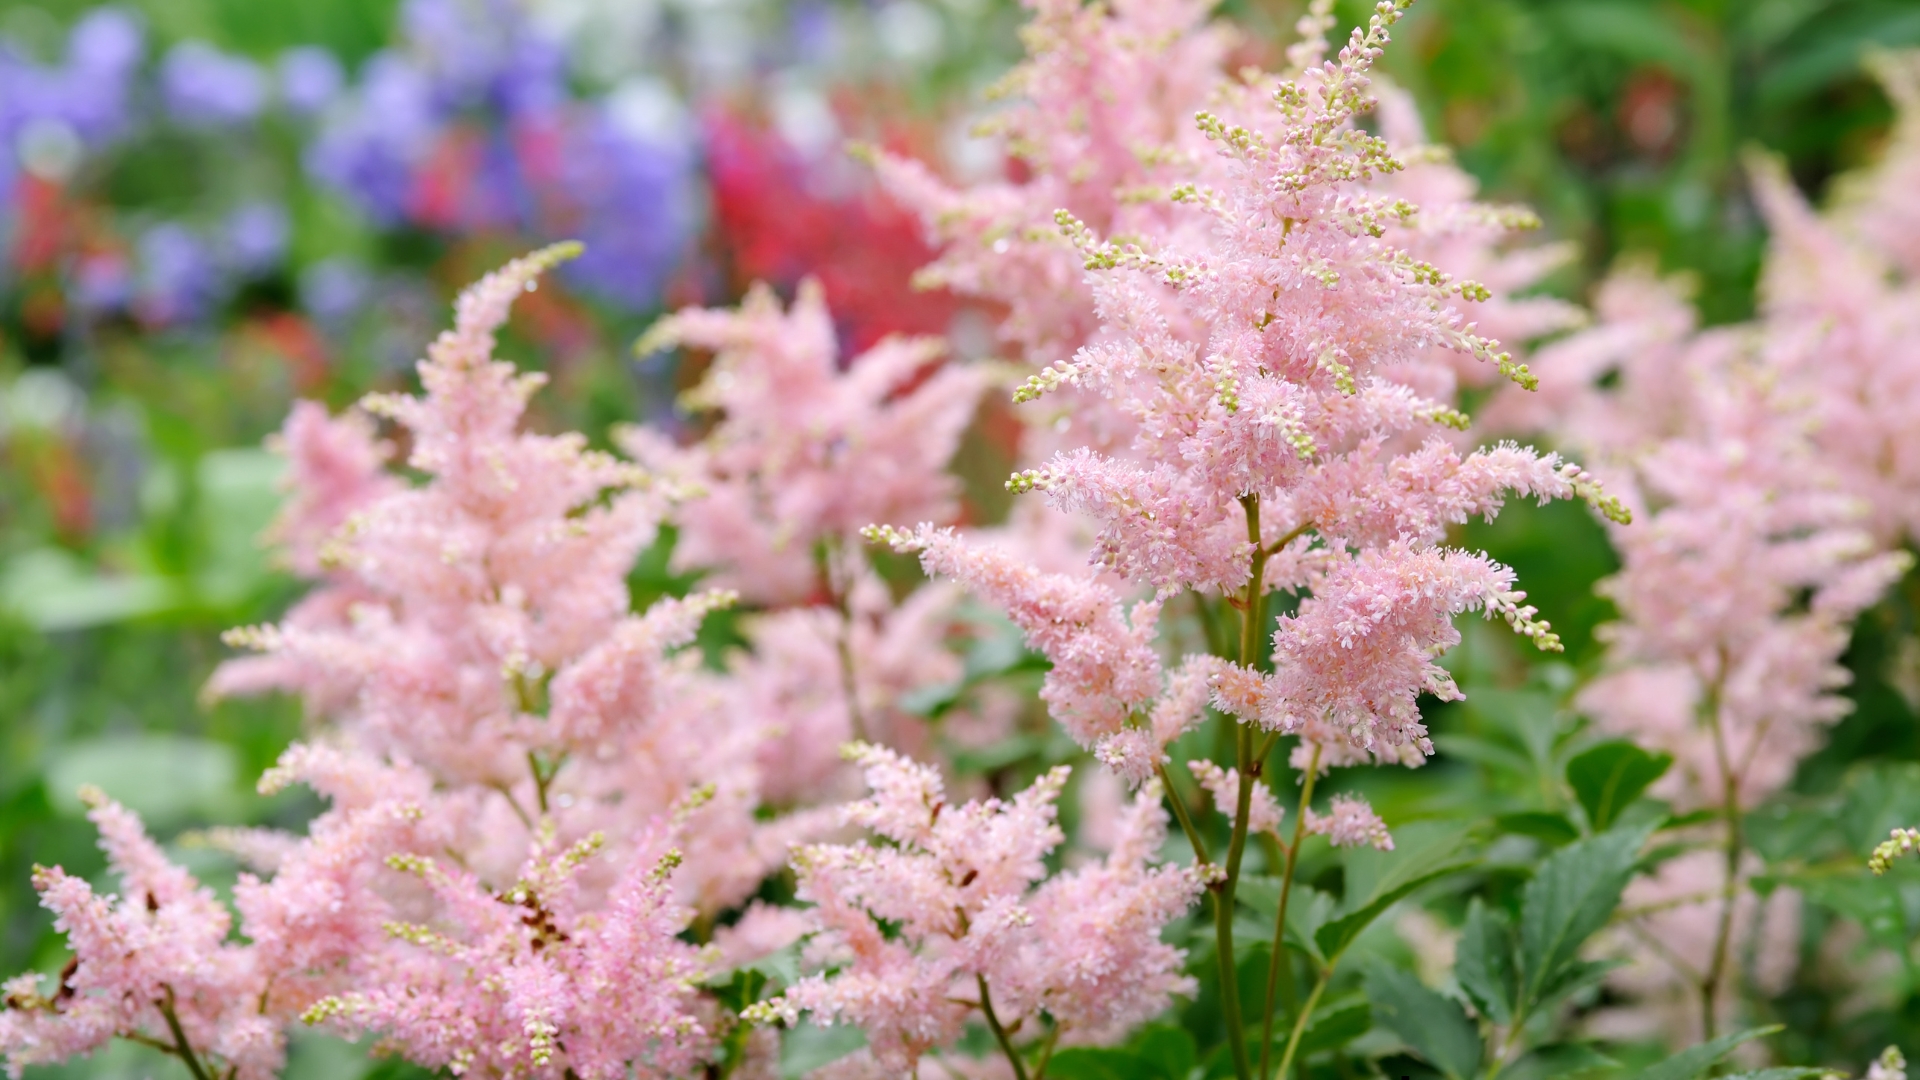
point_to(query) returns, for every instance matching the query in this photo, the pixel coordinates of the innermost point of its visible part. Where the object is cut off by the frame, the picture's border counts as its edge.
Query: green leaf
(1096, 1063)
(1329, 1030)
(1436, 1027)
(1610, 776)
(1562, 1061)
(1335, 936)
(1483, 962)
(1787, 1072)
(1552, 828)
(1419, 847)
(806, 1047)
(1170, 1050)
(1691, 1062)
(54, 590)
(1572, 895)
(166, 779)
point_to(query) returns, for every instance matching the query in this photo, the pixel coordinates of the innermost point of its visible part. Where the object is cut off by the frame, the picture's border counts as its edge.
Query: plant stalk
(1734, 843)
(999, 1033)
(1252, 622)
(1277, 961)
(1300, 1023)
(181, 1047)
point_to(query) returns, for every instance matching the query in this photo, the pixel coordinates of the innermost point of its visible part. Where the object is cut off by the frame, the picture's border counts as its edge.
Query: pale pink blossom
(968, 889)
(1350, 822)
(806, 450)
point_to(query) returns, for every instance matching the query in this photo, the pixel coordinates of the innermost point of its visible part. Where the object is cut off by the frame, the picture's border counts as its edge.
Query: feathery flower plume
(980, 923)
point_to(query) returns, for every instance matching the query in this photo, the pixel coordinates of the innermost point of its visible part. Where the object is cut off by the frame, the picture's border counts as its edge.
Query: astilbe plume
(151, 964)
(804, 450)
(1741, 575)
(510, 756)
(981, 925)
(1250, 313)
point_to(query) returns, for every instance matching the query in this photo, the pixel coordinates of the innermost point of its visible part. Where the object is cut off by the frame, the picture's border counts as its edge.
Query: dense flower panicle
(792, 675)
(1104, 664)
(1748, 567)
(1351, 662)
(1350, 822)
(1101, 121)
(1224, 785)
(805, 450)
(1254, 308)
(160, 947)
(968, 888)
(1863, 376)
(523, 983)
(337, 468)
(505, 747)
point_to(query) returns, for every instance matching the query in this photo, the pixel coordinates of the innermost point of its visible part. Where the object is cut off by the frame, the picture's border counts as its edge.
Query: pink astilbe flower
(1104, 665)
(805, 450)
(1350, 822)
(1263, 815)
(337, 468)
(1740, 583)
(524, 983)
(1248, 330)
(978, 925)
(146, 962)
(479, 622)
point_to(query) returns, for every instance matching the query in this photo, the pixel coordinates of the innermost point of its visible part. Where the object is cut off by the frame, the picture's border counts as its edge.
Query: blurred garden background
(210, 208)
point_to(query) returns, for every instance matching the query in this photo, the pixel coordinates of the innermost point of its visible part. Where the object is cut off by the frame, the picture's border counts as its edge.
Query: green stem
(1184, 816)
(1252, 622)
(182, 1048)
(1730, 796)
(1278, 960)
(1046, 1054)
(1300, 1023)
(999, 1033)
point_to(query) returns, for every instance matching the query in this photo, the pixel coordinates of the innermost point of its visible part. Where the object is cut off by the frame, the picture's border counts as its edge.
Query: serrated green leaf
(1691, 1062)
(1436, 1027)
(1608, 777)
(1570, 897)
(1333, 938)
(1419, 847)
(1483, 962)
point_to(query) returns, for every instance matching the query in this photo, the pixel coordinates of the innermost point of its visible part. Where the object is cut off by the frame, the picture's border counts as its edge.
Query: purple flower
(333, 290)
(633, 196)
(177, 279)
(87, 95)
(204, 87)
(102, 282)
(369, 151)
(310, 78)
(256, 238)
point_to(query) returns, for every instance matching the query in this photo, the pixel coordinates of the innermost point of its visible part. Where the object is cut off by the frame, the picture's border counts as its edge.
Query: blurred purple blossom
(256, 237)
(86, 94)
(310, 79)
(102, 282)
(334, 290)
(178, 281)
(204, 87)
(471, 124)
